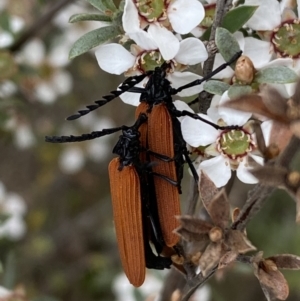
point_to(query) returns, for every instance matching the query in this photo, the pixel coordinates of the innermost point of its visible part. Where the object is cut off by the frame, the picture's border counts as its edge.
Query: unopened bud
(272, 151)
(215, 234)
(244, 70)
(294, 178)
(270, 265)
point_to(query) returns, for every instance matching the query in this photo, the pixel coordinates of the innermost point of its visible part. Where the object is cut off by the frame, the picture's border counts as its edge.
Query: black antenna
(125, 86)
(83, 137)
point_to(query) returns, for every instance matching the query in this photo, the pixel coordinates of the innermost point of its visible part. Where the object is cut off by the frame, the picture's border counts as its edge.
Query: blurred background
(57, 239)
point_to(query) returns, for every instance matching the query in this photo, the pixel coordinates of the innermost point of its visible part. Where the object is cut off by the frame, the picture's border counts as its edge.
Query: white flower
(13, 208)
(144, 56)
(230, 148)
(182, 17)
(7, 88)
(23, 135)
(71, 160)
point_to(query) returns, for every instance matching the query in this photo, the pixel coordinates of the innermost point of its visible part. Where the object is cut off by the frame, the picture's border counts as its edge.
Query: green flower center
(149, 61)
(151, 10)
(210, 11)
(46, 71)
(235, 143)
(286, 39)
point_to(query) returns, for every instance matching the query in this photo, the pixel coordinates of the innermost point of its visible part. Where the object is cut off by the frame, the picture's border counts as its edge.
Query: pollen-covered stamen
(235, 143)
(286, 39)
(152, 10)
(148, 60)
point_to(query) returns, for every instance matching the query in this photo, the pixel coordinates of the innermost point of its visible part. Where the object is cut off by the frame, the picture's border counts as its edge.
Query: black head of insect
(128, 147)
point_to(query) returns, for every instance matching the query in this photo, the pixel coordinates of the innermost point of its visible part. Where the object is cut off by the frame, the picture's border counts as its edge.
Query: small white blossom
(114, 58)
(182, 17)
(226, 155)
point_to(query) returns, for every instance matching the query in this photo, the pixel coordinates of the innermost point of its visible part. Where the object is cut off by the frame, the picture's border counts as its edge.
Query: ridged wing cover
(127, 213)
(160, 140)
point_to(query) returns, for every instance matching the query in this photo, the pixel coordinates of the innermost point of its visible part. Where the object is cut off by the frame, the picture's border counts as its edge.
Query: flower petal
(167, 43)
(179, 79)
(34, 52)
(114, 58)
(266, 17)
(280, 62)
(183, 17)
(258, 51)
(217, 169)
(230, 116)
(243, 173)
(45, 93)
(266, 128)
(196, 132)
(213, 111)
(192, 51)
(133, 98)
(130, 18)
(226, 73)
(143, 39)
(182, 106)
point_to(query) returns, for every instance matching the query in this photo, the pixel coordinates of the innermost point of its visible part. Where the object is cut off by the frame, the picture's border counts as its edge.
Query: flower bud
(294, 178)
(215, 234)
(270, 265)
(244, 70)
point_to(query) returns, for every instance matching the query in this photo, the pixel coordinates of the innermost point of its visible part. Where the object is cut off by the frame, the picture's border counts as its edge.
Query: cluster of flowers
(158, 31)
(155, 29)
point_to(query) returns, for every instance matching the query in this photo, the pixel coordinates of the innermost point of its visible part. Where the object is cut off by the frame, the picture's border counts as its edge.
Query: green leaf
(92, 39)
(236, 18)
(103, 5)
(227, 44)
(276, 75)
(237, 90)
(89, 17)
(215, 87)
